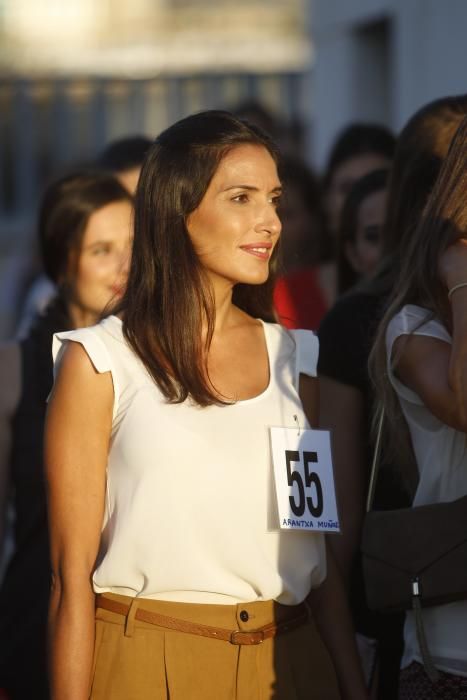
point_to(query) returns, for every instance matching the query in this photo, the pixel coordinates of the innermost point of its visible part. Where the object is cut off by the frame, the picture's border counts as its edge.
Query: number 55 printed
(305, 490)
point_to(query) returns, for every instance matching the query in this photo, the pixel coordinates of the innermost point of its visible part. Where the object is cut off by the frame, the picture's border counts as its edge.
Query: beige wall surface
(380, 60)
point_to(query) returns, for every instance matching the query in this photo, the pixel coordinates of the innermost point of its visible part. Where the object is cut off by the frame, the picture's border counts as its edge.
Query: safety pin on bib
(295, 417)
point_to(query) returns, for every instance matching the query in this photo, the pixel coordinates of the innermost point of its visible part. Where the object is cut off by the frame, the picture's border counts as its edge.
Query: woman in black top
(85, 232)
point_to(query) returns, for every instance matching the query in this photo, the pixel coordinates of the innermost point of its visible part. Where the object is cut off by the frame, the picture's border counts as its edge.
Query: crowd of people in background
(373, 260)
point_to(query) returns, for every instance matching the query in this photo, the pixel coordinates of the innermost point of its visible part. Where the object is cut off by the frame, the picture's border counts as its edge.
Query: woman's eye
(241, 198)
(101, 250)
(276, 201)
(372, 234)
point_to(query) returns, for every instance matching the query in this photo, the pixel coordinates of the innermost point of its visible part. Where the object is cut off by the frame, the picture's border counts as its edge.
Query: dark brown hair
(359, 139)
(66, 207)
(316, 245)
(167, 297)
(444, 220)
(124, 154)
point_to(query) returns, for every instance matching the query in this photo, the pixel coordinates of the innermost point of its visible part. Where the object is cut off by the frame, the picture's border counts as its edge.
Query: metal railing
(47, 125)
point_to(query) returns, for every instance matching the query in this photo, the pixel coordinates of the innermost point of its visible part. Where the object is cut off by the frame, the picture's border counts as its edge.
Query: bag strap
(376, 461)
(430, 669)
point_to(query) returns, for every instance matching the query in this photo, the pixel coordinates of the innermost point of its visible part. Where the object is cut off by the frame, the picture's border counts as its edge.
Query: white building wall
(380, 60)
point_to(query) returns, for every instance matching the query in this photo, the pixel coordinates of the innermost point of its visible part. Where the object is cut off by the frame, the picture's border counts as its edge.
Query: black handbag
(414, 557)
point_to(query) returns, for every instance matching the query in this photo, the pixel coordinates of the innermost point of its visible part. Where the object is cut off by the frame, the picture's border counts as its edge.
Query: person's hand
(453, 264)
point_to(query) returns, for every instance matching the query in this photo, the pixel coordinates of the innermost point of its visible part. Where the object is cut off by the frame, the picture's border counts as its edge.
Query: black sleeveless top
(24, 592)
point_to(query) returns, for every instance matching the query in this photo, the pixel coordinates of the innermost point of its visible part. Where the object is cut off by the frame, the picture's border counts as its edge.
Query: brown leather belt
(300, 617)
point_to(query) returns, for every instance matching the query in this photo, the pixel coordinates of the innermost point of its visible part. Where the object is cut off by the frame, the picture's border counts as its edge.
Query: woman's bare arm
(332, 615)
(424, 365)
(76, 446)
(342, 413)
(329, 601)
(10, 392)
(453, 271)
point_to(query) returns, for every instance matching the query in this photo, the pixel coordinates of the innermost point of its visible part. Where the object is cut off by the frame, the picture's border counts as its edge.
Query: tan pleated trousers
(134, 660)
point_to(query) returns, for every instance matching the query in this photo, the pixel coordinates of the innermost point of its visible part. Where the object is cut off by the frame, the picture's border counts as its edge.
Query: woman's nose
(123, 264)
(270, 221)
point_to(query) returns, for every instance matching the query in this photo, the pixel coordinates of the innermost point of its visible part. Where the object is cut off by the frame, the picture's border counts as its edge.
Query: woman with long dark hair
(172, 577)
(85, 231)
(424, 402)
(346, 392)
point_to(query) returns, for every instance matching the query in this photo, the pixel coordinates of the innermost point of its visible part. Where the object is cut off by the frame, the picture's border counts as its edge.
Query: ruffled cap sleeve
(95, 349)
(307, 351)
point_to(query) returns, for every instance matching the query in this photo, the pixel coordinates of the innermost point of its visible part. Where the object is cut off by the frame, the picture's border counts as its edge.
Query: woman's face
(345, 176)
(364, 253)
(101, 268)
(236, 227)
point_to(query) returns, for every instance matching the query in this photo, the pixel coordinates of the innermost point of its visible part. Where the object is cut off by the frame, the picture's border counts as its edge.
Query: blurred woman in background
(122, 159)
(85, 231)
(358, 150)
(360, 239)
(299, 299)
(417, 380)
(346, 394)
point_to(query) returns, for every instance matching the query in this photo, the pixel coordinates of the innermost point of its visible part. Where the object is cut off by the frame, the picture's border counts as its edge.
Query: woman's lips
(261, 250)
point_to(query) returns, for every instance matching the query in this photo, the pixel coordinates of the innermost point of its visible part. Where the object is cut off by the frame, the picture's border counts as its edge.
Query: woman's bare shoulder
(81, 395)
(76, 370)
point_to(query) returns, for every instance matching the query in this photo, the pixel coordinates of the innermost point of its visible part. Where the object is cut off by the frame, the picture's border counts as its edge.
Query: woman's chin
(257, 277)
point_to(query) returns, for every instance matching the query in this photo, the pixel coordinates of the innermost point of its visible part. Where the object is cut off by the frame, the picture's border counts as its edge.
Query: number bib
(305, 490)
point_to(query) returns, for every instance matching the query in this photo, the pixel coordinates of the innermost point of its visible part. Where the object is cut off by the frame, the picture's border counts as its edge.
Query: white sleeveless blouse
(441, 454)
(190, 512)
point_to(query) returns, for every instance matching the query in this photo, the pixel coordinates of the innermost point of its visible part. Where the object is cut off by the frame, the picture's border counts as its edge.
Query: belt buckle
(253, 637)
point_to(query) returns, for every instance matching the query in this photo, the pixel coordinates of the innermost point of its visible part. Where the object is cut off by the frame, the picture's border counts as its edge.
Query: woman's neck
(224, 309)
(80, 318)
